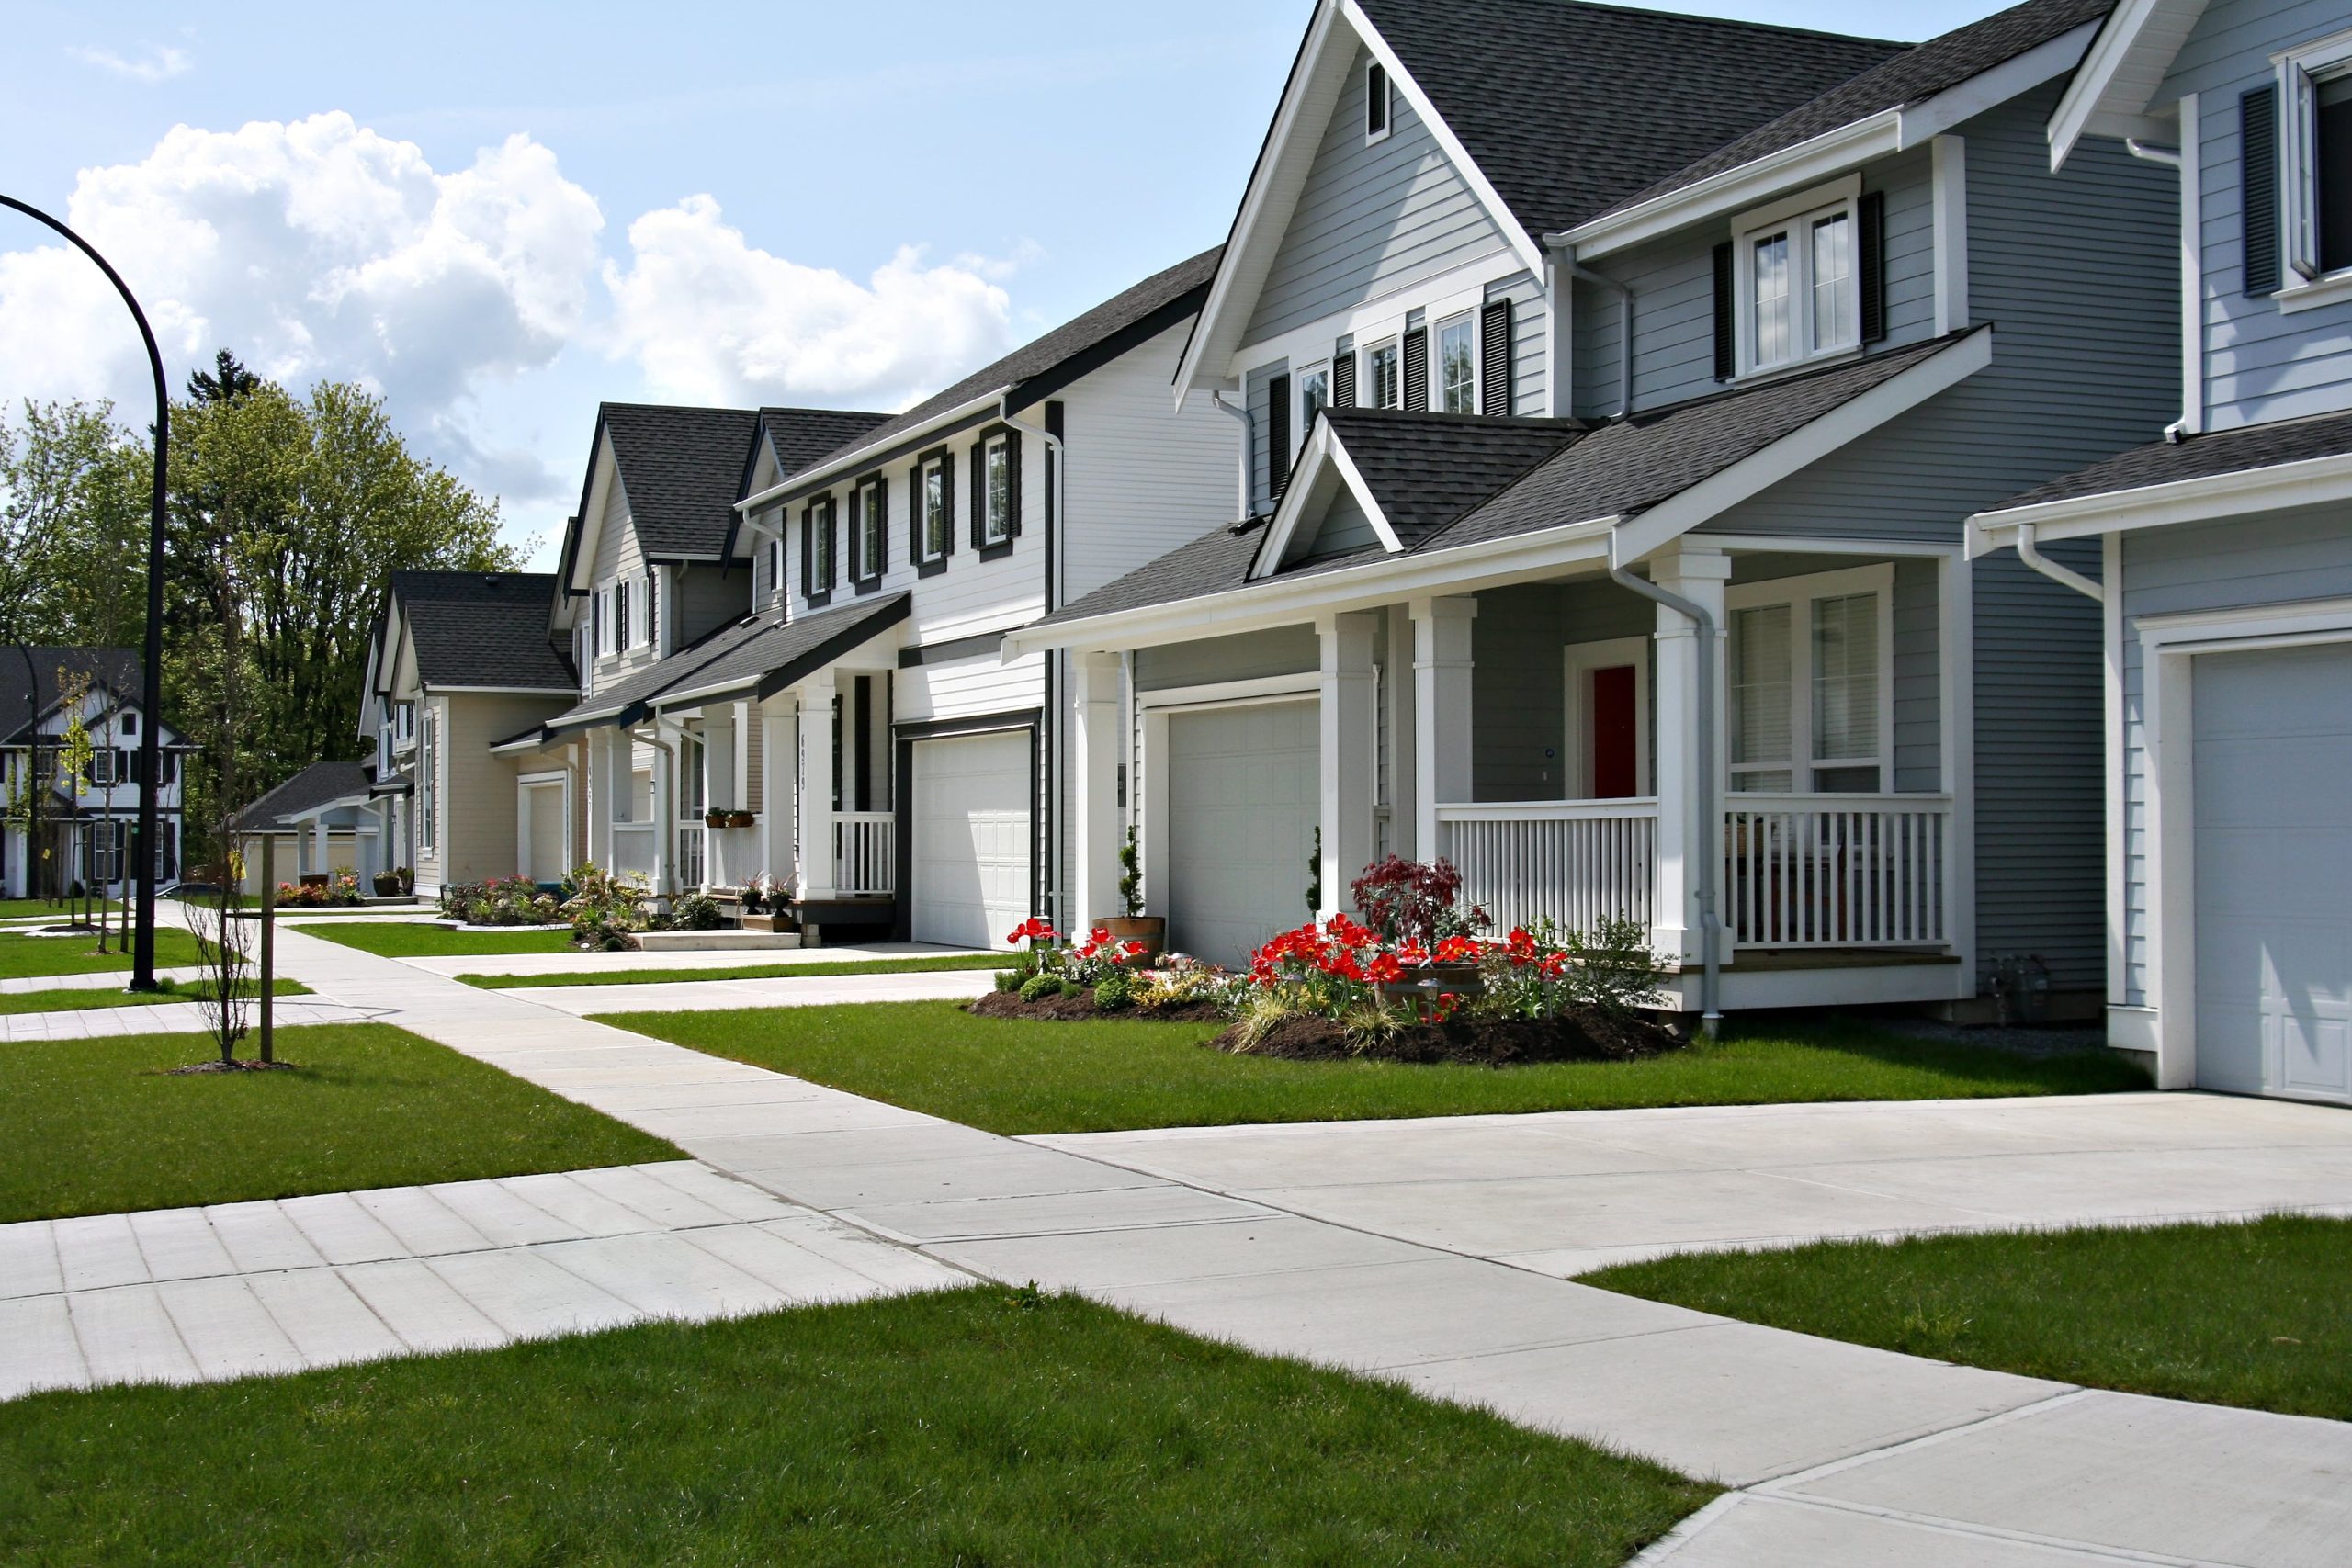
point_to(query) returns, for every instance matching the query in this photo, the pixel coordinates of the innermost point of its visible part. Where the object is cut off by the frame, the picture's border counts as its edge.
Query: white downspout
(2029, 552)
(1575, 269)
(1248, 449)
(2175, 159)
(1711, 1015)
(1055, 895)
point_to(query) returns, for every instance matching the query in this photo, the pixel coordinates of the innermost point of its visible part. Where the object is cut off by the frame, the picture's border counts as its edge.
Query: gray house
(1612, 389)
(2225, 551)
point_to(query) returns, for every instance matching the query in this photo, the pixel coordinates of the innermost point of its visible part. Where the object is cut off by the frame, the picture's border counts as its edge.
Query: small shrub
(1038, 988)
(1415, 901)
(1071, 989)
(697, 912)
(605, 908)
(1115, 994)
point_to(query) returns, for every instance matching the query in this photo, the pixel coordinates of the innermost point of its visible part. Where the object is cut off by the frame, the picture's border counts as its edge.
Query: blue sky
(499, 214)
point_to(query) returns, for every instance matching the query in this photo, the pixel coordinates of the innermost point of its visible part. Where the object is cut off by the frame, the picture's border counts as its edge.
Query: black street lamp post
(150, 696)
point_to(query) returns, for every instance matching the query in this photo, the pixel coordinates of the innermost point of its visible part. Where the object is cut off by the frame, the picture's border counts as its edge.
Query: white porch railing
(685, 873)
(1837, 871)
(866, 852)
(633, 848)
(1577, 862)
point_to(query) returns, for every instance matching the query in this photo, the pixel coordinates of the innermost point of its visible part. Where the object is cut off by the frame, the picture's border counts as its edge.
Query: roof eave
(2314, 482)
(2092, 104)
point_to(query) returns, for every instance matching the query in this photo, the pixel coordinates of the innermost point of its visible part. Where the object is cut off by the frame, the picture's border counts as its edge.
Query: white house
(86, 825)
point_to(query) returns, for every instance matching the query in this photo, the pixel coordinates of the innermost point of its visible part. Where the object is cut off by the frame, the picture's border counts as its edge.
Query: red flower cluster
(1034, 929)
(1099, 945)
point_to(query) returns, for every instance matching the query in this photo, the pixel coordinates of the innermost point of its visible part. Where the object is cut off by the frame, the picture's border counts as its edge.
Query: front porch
(1552, 739)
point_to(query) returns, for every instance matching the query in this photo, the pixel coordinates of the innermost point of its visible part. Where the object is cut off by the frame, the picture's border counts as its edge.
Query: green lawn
(972, 1427)
(89, 1000)
(2249, 1314)
(96, 1127)
(41, 908)
(1016, 1076)
(395, 938)
(907, 966)
(21, 956)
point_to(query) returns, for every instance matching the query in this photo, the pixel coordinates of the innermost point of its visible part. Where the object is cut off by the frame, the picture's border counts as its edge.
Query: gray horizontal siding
(1252, 656)
(1530, 345)
(1369, 220)
(1346, 527)
(1261, 403)
(1519, 701)
(2276, 559)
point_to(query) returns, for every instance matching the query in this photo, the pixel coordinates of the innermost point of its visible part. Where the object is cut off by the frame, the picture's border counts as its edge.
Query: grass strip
(394, 939)
(22, 956)
(101, 1126)
(2250, 1315)
(1018, 1076)
(89, 999)
(973, 1426)
(909, 965)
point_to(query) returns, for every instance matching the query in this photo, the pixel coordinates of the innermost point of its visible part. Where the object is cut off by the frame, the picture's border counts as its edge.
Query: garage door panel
(971, 824)
(2273, 827)
(1243, 798)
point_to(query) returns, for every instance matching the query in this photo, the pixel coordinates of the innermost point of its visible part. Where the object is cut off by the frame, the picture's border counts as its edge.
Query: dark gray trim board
(973, 646)
(868, 461)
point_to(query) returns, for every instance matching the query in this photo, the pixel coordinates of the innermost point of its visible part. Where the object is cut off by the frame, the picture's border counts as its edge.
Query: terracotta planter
(1150, 930)
(1461, 979)
(741, 819)
(713, 819)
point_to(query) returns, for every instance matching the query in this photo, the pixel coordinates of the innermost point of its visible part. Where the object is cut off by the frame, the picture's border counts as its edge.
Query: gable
(1370, 218)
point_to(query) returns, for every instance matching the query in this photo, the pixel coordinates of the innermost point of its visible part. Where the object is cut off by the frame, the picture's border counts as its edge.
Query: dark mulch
(1586, 1036)
(1080, 1009)
(241, 1065)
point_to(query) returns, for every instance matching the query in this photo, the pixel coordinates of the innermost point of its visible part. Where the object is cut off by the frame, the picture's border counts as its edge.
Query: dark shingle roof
(1568, 108)
(2192, 457)
(1574, 473)
(1913, 76)
(314, 785)
(484, 628)
(800, 437)
(778, 654)
(1422, 467)
(1168, 291)
(119, 668)
(682, 470)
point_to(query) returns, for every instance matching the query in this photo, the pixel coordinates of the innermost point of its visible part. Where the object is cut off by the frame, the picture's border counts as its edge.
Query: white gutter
(1248, 447)
(1710, 980)
(2029, 552)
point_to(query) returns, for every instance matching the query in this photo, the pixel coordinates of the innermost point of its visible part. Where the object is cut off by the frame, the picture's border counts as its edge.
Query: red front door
(1615, 740)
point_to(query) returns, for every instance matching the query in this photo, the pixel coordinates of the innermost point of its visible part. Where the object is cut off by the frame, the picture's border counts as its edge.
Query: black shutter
(1343, 380)
(2258, 187)
(976, 508)
(1726, 317)
(807, 549)
(1494, 357)
(1013, 485)
(1277, 447)
(881, 561)
(948, 504)
(914, 511)
(1417, 370)
(1869, 259)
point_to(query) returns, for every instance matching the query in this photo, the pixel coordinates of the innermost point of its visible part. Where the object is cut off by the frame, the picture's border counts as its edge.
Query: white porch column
(600, 797)
(325, 846)
(1687, 833)
(1442, 672)
(665, 793)
(1350, 751)
(816, 871)
(779, 749)
(1095, 749)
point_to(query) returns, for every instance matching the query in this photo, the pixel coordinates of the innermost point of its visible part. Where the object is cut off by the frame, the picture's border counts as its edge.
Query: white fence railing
(1837, 871)
(685, 872)
(633, 848)
(1577, 862)
(866, 852)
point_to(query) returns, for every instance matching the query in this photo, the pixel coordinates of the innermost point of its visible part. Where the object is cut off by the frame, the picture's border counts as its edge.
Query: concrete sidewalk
(705, 996)
(571, 963)
(111, 979)
(1843, 1454)
(167, 1018)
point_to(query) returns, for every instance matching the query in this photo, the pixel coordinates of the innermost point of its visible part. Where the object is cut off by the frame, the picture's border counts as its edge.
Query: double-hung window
(998, 499)
(2315, 157)
(817, 561)
(1382, 368)
(1457, 365)
(865, 526)
(428, 782)
(1811, 684)
(936, 503)
(1799, 282)
(1314, 397)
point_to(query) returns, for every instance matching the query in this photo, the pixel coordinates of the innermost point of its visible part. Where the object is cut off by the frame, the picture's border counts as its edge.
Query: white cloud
(316, 250)
(709, 317)
(159, 60)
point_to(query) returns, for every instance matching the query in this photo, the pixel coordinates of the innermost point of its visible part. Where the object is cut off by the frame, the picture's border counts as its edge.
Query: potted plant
(387, 884)
(716, 817)
(741, 819)
(1132, 924)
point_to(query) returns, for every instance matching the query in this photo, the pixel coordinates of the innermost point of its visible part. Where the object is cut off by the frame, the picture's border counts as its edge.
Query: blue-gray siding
(1346, 527)
(1261, 405)
(1519, 701)
(2278, 557)
(1252, 656)
(1530, 347)
(1370, 218)
(2259, 364)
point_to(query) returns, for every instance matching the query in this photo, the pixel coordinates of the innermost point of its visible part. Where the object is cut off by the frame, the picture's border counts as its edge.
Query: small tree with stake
(1130, 878)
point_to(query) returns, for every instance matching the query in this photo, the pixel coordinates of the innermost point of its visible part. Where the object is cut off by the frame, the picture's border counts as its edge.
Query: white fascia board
(1272, 193)
(1524, 244)
(1850, 420)
(603, 474)
(1736, 189)
(503, 690)
(810, 480)
(2096, 102)
(1832, 153)
(1322, 451)
(2315, 482)
(1520, 557)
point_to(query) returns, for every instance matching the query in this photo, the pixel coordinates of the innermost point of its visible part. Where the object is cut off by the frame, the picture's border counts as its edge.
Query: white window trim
(1387, 86)
(925, 554)
(995, 530)
(1579, 661)
(1437, 360)
(1799, 594)
(2300, 72)
(862, 512)
(427, 795)
(1795, 214)
(1366, 392)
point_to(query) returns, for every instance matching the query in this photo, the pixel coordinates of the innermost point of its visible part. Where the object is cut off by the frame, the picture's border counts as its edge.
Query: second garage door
(2274, 872)
(1243, 806)
(971, 827)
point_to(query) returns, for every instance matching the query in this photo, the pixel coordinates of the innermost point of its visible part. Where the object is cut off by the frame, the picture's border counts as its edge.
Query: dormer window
(1378, 103)
(1798, 283)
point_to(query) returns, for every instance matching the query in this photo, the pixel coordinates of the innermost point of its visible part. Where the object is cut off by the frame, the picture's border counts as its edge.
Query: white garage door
(2273, 802)
(971, 832)
(1242, 808)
